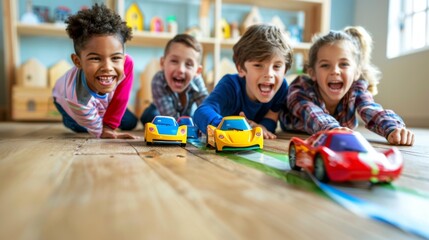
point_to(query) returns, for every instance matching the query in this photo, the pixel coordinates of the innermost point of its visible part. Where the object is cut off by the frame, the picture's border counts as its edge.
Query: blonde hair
(369, 71)
(361, 46)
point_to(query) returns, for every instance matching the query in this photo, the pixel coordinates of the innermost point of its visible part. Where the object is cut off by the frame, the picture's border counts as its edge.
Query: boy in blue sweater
(262, 56)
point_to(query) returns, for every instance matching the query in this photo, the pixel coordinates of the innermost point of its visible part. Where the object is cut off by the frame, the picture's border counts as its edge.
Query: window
(408, 27)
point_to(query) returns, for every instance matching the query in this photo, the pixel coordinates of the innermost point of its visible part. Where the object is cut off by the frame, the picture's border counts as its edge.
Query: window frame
(400, 39)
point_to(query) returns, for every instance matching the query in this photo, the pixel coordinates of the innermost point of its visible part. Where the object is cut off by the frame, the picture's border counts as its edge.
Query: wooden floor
(55, 184)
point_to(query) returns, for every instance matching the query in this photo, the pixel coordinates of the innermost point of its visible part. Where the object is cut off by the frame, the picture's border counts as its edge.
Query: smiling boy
(262, 56)
(178, 89)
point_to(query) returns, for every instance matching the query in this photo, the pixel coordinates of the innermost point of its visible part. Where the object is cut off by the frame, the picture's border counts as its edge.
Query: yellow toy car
(165, 129)
(234, 133)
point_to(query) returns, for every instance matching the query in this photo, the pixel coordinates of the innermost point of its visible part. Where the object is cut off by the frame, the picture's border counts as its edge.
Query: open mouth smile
(266, 88)
(335, 86)
(106, 80)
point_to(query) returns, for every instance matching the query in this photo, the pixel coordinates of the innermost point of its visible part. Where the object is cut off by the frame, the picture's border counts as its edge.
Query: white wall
(404, 87)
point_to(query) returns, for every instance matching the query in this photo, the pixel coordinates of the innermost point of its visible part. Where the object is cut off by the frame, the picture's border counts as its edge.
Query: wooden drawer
(33, 104)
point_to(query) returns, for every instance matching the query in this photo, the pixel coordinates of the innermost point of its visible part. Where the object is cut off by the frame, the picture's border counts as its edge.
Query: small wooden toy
(42, 13)
(254, 17)
(156, 25)
(172, 25)
(61, 14)
(195, 32)
(144, 94)
(56, 71)
(134, 17)
(204, 18)
(226, 30)
(32, 74)
(235, 32)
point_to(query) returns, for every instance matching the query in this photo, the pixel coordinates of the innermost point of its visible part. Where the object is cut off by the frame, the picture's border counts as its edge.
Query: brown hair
(186, 39)
(261, 42)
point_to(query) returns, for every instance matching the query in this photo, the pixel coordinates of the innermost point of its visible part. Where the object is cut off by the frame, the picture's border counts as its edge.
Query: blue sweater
(229, 98)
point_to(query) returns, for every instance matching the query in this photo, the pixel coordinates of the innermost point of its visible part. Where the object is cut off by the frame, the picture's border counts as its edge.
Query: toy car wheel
(292, 157)
(149, 143)
(183, 144)
(319, 169)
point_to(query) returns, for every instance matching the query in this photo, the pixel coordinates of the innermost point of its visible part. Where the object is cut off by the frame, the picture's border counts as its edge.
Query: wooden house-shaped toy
(254, 17)
(56, 71)
(144, 94)
(32, 74)
(134, 17)
(226, 30)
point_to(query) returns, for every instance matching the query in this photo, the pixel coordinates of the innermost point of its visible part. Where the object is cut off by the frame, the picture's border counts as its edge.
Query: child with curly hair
(341, 83)
(262, 56)
(93, 95)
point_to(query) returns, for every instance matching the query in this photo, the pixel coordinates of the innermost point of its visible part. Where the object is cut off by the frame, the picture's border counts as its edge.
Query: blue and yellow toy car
(165, 129)
(193, 131)
(234, 133)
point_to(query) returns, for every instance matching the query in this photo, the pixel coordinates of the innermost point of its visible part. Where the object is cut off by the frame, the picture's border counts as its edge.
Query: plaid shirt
(168, 103)
(306, 111)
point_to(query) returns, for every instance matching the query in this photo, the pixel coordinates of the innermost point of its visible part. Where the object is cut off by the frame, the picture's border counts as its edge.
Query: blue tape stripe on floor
(367, 209)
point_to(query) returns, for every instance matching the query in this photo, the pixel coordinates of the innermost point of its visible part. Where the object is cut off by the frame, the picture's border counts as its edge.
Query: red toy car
(337, 155)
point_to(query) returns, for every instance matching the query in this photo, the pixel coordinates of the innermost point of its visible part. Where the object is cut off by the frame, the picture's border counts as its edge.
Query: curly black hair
(96, 21)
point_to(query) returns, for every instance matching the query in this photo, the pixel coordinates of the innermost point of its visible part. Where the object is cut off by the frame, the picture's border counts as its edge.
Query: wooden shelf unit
(317, 16)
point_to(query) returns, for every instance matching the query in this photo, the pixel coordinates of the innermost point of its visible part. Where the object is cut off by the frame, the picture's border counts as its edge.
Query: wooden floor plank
(28, 174)
(118, 197)
(55, 184)
(255, 208)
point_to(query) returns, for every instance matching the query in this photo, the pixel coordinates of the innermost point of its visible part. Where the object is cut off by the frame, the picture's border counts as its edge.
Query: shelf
(42, 29)
(140, 38)
(290, 5)
(160, 39)
(302, 46)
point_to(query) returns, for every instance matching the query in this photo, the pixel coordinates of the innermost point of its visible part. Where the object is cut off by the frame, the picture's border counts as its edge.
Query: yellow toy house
(134, 17)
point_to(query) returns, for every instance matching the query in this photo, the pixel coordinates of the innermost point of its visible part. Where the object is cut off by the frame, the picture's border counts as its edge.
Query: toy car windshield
(164, 121)
(345, 143)
(235, 124)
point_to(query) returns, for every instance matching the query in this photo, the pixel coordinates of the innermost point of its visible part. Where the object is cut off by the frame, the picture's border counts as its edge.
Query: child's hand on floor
(267, 134)
(401, 136)
(110, 133)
